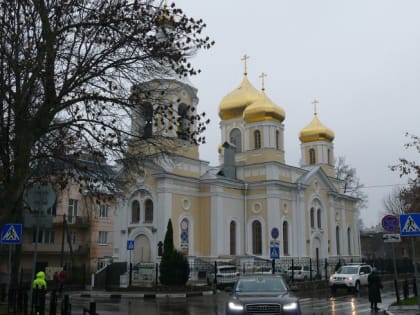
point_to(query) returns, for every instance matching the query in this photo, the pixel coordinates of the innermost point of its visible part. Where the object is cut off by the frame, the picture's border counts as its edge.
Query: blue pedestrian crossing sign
(274, 252)
(410, 224)
(11, 233)
(130, 244)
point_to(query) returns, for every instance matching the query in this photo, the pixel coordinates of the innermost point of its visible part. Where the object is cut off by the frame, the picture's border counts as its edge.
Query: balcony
(74, 221)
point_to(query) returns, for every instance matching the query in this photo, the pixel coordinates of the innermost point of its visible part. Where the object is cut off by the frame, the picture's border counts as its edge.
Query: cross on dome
(244, 59)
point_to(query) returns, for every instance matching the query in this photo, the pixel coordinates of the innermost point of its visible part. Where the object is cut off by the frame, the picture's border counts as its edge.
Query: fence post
(215, 273)
(273, 266)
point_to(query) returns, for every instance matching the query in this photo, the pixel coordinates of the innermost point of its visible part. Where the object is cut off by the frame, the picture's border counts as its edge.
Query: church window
(256, 238)
(235, 138)
(349, 239)
(337, 239)
(312, 215)
(232, 232)
(148, 120)
(318, 218)
(257, 139)
(286, 238)
(183, 122)
(148, 212)
(277, 139)
(185, 226)
(329, 156)
(135, 212)
(312, 156)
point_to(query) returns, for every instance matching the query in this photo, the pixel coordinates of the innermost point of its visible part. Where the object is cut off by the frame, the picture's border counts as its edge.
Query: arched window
(232, 232)
(257, 139)
(256, 238)
(312, 156)
(329, 156)
(135, 212)
(312, 215)
(148, 120)
(148, 211)
(183, 130)
(184, 242)
(318, 218)
(235, 138)
(349, 239)
(337, 239)
(277, 140)
(285, 238)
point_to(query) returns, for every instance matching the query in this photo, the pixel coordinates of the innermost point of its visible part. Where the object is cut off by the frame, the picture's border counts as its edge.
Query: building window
(148, 120)
(232, 233)
(312, 156)
(277, 140)
(286, 238)
(185, 226)
(183, 130)
(235, 138)
(349, 239)
(53, 210)
(44, 236)
(329, 156)
(337, 239)
(312, 217)
(148, 214)
(135, 212)
(257, 139)
(72, 210)
(318, 218)
(256, 238)
(103, 211)
(103, 237)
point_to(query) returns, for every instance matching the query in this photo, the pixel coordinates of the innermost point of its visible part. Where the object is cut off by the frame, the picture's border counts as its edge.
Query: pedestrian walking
(39, 286)
(374, 286)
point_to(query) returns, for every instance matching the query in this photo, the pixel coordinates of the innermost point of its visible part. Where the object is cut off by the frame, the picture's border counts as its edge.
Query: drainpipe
(245, 219)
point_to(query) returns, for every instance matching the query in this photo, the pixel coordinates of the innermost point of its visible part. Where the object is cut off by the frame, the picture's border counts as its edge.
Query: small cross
(315, 102)
(262, 76)
(244, 59)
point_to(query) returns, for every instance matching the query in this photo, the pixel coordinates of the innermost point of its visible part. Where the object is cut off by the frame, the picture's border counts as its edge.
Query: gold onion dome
(263, 109)
(234, 103)
(316, 131)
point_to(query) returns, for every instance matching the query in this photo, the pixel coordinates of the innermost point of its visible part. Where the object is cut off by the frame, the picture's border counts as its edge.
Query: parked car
(300, 272)
(225, 275)
(262, 294)
(351, 277)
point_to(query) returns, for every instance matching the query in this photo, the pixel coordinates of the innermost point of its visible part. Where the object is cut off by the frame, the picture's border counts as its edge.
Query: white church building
(252, 205)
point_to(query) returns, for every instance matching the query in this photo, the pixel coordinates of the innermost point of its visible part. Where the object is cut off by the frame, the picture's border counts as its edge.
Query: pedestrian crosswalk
(346, 304)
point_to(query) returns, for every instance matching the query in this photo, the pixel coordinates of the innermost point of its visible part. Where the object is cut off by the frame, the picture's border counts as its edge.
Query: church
(251, 206)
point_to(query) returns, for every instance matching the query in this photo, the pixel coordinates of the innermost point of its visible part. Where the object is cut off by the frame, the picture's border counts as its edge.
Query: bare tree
(66, 72)
(352, 185)
(410, 195)
(393, 203)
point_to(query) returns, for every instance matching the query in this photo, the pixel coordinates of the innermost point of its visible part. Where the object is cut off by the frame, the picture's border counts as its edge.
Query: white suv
(225, 275)
(351, 277)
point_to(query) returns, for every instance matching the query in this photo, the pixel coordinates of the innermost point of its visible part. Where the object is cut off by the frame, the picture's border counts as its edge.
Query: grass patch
(410, 301)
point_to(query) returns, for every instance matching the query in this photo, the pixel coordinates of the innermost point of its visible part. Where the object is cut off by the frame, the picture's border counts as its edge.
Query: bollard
(92, 308)
(414, 287)
(53, 303)
(65, 305)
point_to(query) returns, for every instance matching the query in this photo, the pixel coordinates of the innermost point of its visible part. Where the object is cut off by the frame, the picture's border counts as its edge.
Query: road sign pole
(415, 271)
(397, 294)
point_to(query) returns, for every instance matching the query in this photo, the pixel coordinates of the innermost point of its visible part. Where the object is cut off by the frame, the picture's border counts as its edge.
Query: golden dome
(316, 131)
(234, 103)
(263, 109)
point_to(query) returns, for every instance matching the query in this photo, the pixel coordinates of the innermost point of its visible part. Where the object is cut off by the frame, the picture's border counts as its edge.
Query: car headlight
(235, 306)
(290, 306)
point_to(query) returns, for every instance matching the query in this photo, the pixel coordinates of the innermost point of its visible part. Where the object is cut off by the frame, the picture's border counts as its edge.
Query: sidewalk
(402, 309)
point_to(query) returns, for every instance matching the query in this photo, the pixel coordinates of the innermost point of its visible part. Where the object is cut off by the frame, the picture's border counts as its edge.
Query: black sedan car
(262, 294)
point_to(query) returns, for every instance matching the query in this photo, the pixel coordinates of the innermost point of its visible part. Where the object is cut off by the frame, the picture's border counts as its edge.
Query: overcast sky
(360, 59)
